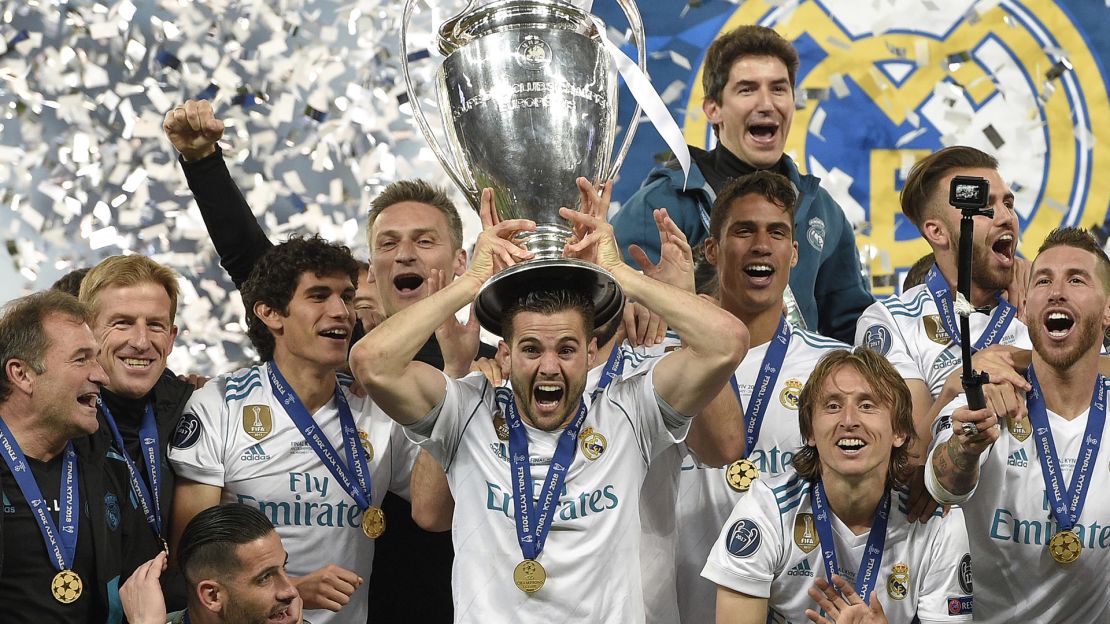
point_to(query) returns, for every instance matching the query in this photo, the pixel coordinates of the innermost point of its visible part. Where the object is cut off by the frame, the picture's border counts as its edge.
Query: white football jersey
(769, 548)
(703, 499)
(235, 434)
(909, 332)
(591, 554)
(1009, 525)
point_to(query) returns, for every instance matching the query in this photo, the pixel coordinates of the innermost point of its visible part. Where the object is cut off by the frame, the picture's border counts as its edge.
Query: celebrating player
(544, 550)
(1025, 489)
(753, 248)
(842, 512)
(919, 331)
(749, 79)
(289, 438)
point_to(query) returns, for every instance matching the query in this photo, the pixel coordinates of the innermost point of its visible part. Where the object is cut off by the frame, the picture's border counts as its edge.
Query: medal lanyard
(358, 488)
(1066, 504)
(1001, 318)
(149, 499)
(872, 559)
(768, 374)
(532, 527)
(60, 539)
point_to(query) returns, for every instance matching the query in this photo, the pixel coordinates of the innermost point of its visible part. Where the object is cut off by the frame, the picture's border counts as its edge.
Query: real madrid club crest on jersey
(258, 422)
(898, 583)
(592, 442)
(791, 391)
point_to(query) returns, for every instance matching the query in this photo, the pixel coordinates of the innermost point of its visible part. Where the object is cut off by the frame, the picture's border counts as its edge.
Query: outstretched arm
(194, 131)
(383, 360)
(714, 340)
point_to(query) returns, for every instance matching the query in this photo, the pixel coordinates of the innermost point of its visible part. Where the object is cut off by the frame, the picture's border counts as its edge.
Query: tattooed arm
(954, 463)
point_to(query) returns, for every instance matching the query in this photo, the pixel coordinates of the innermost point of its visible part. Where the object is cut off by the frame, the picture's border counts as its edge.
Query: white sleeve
(446, 423)
(877, 331)
(946, 585)
(199, 442)
(403, 452)
(749, 550)
(634, 395)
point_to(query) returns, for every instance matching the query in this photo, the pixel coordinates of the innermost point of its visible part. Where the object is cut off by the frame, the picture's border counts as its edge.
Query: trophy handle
(418, 111)
(637, 24)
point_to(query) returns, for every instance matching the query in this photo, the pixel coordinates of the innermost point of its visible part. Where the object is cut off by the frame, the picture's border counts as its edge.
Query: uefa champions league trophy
(528, 98)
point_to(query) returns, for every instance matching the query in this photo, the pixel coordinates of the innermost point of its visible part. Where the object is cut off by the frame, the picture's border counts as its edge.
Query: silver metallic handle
(418, 112)
(637, 24)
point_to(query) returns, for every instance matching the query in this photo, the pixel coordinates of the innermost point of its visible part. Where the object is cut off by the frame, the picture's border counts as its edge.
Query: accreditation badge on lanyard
(60, 539)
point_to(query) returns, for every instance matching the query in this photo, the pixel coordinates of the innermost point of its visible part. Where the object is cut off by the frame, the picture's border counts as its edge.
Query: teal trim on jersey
(793, 488)
(236, 383)
(818, 341)
(913, 307)
(344, 379)
(244, 393)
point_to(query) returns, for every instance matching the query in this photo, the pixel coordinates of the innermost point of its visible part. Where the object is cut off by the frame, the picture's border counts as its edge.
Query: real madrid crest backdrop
(884, 82)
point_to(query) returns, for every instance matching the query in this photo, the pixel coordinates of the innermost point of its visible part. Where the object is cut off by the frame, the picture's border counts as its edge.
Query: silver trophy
(528, 98)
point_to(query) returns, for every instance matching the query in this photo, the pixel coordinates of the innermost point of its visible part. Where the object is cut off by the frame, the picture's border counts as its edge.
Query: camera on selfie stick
(970, 195)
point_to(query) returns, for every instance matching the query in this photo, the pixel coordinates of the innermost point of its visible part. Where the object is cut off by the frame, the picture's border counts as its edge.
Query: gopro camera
(972, 194)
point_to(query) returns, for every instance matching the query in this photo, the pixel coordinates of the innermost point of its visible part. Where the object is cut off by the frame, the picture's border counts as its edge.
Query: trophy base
(506, 287)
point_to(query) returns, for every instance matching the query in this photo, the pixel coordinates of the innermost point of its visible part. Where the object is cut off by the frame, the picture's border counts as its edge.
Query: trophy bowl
(527, 95)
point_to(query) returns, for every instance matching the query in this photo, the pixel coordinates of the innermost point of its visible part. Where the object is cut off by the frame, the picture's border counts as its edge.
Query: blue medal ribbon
(1066, 504)
(358, 488)
(532, 527)
(149, 498)
(768, 375)
(869, 566)
(1004, 313)
(60, 539)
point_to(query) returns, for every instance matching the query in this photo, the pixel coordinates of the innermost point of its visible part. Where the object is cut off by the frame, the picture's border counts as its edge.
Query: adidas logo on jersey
(947, 359)
(1018, 458)
(254, 454)
(802, 569)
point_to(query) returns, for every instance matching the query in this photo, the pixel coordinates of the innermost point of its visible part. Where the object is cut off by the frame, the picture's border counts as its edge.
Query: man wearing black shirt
(133, 300)
(66, 509)
(414, 230)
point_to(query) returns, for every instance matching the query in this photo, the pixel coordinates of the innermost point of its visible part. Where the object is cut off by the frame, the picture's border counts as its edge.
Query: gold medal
(741, 474)
(529, 576)
(66, 586)
(373, 522)
(1065, 547)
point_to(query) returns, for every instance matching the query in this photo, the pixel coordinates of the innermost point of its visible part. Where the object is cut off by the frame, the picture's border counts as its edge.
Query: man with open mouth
(67, 519)
(235, 566)
(753, 248)
(918, 331)
(749, 78)
(540, 553)
(290, 437)
(413, 229)
(1032, 480)
(841, 514)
